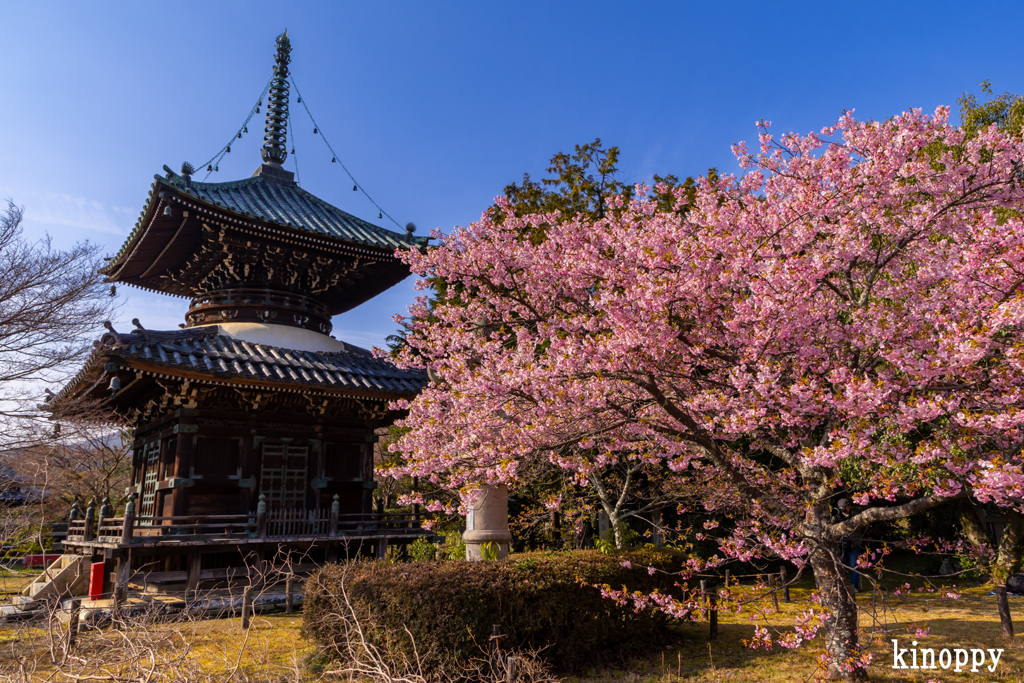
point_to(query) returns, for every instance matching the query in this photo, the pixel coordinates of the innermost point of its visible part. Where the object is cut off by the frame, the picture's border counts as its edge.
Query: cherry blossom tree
(844, 315)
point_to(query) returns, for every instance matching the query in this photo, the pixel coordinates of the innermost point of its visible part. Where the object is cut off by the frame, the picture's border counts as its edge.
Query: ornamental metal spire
(275, 149)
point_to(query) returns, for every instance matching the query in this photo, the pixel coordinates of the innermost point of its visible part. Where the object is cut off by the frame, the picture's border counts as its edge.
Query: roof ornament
(140, 328)
(112, 331)
(275, 149)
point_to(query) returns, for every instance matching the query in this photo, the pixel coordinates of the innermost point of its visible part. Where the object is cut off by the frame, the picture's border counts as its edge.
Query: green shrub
(542, 601)
(422, 550)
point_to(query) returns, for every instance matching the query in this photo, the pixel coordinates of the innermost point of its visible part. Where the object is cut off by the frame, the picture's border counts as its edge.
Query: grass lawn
(273, 650)
(13, 580)
(970, 622)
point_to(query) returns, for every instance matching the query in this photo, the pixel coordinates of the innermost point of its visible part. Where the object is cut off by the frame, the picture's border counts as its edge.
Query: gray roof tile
(275, 200)
(205, 350)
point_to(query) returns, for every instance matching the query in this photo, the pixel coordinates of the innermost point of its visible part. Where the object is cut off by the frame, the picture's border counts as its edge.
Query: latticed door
(283, 475)
(151, 455)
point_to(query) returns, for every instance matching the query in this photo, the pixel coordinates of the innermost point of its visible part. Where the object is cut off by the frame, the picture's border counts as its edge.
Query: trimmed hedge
(542, 600)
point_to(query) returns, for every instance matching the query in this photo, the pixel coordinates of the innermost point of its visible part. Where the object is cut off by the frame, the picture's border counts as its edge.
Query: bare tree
(84, 455)
(51, 302)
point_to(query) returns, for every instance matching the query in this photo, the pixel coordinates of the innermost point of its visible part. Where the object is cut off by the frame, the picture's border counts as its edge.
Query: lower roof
(205, 353)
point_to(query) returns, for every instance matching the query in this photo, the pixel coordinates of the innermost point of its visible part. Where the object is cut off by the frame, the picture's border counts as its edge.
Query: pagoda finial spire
(275, 149)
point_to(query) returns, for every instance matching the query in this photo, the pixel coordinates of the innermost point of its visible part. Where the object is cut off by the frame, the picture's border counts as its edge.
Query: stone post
(487, 522)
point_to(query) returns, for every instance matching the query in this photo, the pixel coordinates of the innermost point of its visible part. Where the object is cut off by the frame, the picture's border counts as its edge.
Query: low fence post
(711, 600)
(510, 669)
(105, 513)
(129, 520)
(496, 636)
(289, 594)
(335, 510)
(73, 516)
(261, 517)
(90, 521)
(1004, 611)
(246, 606)
(76, 606)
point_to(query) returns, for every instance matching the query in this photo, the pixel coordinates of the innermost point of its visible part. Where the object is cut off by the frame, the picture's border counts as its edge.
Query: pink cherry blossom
(843, 318)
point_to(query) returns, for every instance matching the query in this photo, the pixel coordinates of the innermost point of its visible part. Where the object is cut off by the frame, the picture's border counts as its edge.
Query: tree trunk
(841, 635)
(974, 531)
(1008, 556)
(617, 529)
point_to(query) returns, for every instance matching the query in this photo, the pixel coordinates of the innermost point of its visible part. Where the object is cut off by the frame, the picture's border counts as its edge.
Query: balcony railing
(272, 525)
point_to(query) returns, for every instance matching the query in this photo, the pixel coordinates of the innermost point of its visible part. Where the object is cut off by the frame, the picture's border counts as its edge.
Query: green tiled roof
(281, 201)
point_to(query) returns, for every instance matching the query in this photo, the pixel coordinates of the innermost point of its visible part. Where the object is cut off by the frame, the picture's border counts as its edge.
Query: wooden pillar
(182, 470)
(124, 572)
(195, 564)
(247, 471)
(382, 548)
(367, 469)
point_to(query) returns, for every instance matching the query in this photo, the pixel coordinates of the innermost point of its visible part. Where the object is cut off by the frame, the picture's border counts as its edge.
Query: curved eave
(162, 372)
(203, 356)
(218, 212)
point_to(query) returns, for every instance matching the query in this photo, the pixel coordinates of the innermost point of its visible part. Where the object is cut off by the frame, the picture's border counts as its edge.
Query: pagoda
(253, 427)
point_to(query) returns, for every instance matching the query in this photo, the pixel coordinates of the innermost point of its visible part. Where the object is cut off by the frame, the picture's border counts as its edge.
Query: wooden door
(283, 475)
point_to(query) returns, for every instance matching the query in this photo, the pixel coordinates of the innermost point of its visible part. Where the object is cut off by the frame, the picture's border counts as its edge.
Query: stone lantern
(487, 522)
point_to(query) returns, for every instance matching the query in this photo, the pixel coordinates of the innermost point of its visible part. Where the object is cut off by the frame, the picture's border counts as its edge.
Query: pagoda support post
(195, 565)
(246, 463)
(182, 465)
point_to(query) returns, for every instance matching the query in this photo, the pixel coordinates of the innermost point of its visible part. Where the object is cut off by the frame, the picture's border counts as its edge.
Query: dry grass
(972, 621)
(204, 650)
(12, 581)
(273, 649)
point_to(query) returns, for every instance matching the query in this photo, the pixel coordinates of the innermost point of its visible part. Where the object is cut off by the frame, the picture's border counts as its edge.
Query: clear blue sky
(435, 106)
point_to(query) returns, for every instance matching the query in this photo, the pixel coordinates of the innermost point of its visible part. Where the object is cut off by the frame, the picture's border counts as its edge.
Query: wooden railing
(272, 525)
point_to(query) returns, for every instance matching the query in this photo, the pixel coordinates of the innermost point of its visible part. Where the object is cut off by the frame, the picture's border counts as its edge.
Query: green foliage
(422, 550)
(1005, 111)
(490, 551)
(454, 548)
(542, 600)
(581, 183)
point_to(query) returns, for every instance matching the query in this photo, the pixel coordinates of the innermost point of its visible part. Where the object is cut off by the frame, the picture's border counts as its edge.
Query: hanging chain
(212, 164)
(334, 155)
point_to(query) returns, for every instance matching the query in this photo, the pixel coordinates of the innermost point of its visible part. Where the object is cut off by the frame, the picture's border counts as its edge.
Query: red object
(97, 574)
(39, 560)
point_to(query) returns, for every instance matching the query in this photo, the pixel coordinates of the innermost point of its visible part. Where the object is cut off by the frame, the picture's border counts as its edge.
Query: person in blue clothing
(850, 547)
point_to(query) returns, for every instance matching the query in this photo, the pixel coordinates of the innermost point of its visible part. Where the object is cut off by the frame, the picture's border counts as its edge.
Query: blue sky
(435, 107)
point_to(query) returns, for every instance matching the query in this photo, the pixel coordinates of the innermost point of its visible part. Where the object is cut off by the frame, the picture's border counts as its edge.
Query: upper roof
(274, 199)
